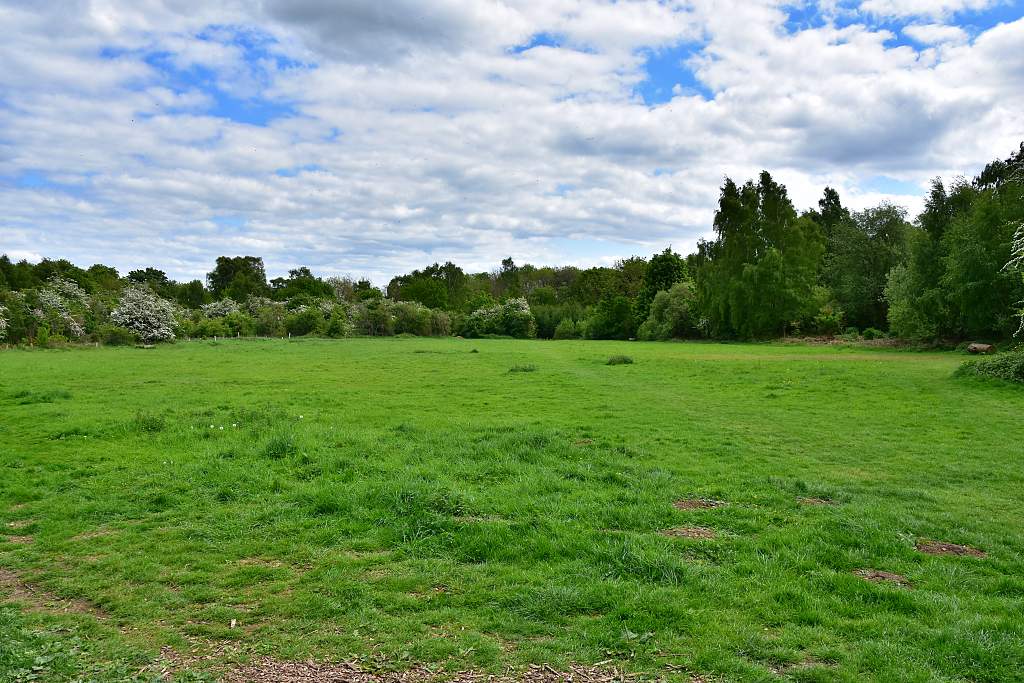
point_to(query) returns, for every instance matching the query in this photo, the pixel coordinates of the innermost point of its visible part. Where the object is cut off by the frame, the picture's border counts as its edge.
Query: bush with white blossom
(220, 309)
(512, 318)
(145, 314)
(1017, 263)
(3, 322)
(59, 308)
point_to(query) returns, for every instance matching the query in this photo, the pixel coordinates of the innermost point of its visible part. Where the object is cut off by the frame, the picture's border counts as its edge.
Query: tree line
(951, 273)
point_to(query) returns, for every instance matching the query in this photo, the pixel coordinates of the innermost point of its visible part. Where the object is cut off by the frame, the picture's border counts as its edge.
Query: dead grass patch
(816, 501)
(260, 562)
(697, 504)
(20, 540)
(43, 601)
(690, 532)
(267, 670)
(943, 548)
(20, 524)
(94, 533)
(878, 576)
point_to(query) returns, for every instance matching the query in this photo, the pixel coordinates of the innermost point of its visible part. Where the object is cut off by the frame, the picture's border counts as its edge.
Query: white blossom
(145, 314)
(219, 309)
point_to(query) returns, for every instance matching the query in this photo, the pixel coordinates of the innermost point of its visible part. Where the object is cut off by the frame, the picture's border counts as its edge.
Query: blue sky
(369, 139)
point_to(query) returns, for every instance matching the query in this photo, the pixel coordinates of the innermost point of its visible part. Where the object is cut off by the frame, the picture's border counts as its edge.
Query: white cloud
(935, 34)
(936, 9)
(414, 136)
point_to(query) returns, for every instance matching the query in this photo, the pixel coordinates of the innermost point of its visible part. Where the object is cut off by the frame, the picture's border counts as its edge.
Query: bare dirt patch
(20, 540)
(697, 504)
(95, 533)
(267, 670)
(816, 501)
(689, 532)
(583, 442)
(41, 600)
(942, 548)
(878, 576)
(20, 524)
(260, 562)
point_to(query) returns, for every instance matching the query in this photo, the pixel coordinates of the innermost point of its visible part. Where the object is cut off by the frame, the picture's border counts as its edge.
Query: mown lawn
(409, 501)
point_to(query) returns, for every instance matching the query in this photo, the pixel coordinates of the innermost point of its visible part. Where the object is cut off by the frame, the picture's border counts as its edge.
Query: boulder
(980, 348)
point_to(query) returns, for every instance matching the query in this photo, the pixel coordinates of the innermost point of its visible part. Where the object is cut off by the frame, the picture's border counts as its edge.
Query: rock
(980, 348)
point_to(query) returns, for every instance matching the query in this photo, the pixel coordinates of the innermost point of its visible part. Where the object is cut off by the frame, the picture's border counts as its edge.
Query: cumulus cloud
(923, 8)
(372, 138)
(935, 34)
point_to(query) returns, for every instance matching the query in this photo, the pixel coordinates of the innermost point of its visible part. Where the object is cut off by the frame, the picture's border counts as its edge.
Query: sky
(370, 137)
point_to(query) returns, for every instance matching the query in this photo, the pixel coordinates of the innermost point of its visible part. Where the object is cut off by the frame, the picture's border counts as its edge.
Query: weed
(523, 368)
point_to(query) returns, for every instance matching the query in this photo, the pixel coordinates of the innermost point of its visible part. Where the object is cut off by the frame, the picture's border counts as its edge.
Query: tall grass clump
(620, 360)
(280, 445)
(523, 368)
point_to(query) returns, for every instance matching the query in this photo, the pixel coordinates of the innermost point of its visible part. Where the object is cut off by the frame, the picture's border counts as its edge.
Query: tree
(758, 275)
(104, 277)
(831, 212)
(612, 319)
(300, 282)
(671, 315)
(238, 277)
(954, 284)
(192, 294)
(507, 281)
(861, 251)
(663, 271)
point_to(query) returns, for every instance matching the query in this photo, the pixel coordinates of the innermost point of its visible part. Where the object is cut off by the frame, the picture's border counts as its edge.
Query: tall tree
(238, 277)
(860, 253)
(758, 275)
(662, 271)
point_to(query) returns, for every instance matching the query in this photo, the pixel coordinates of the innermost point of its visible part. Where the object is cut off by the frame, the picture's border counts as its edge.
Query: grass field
(409, 501)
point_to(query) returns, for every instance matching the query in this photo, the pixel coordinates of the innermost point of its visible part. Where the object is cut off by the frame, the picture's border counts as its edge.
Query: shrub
(829, 319)
(873, 333)
(411, 317)
(620, 360)
(208, 327)
(567, 329)
(373, 317)
(240, 324)
(338, 325)
(612, 319)
(512, 318)
(1004, 366)
(220, 309)
(115, 335)
(304, 321)
(670, 314)
(440, 323)
(144, 313)
(55, 341)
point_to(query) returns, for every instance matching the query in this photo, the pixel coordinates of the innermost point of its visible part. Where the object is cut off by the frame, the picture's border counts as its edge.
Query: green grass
(408, 501)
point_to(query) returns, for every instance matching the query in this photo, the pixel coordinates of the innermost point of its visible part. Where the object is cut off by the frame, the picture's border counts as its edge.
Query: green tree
(238, 277)
(758, 275)
(861, 251)
(662, 271)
